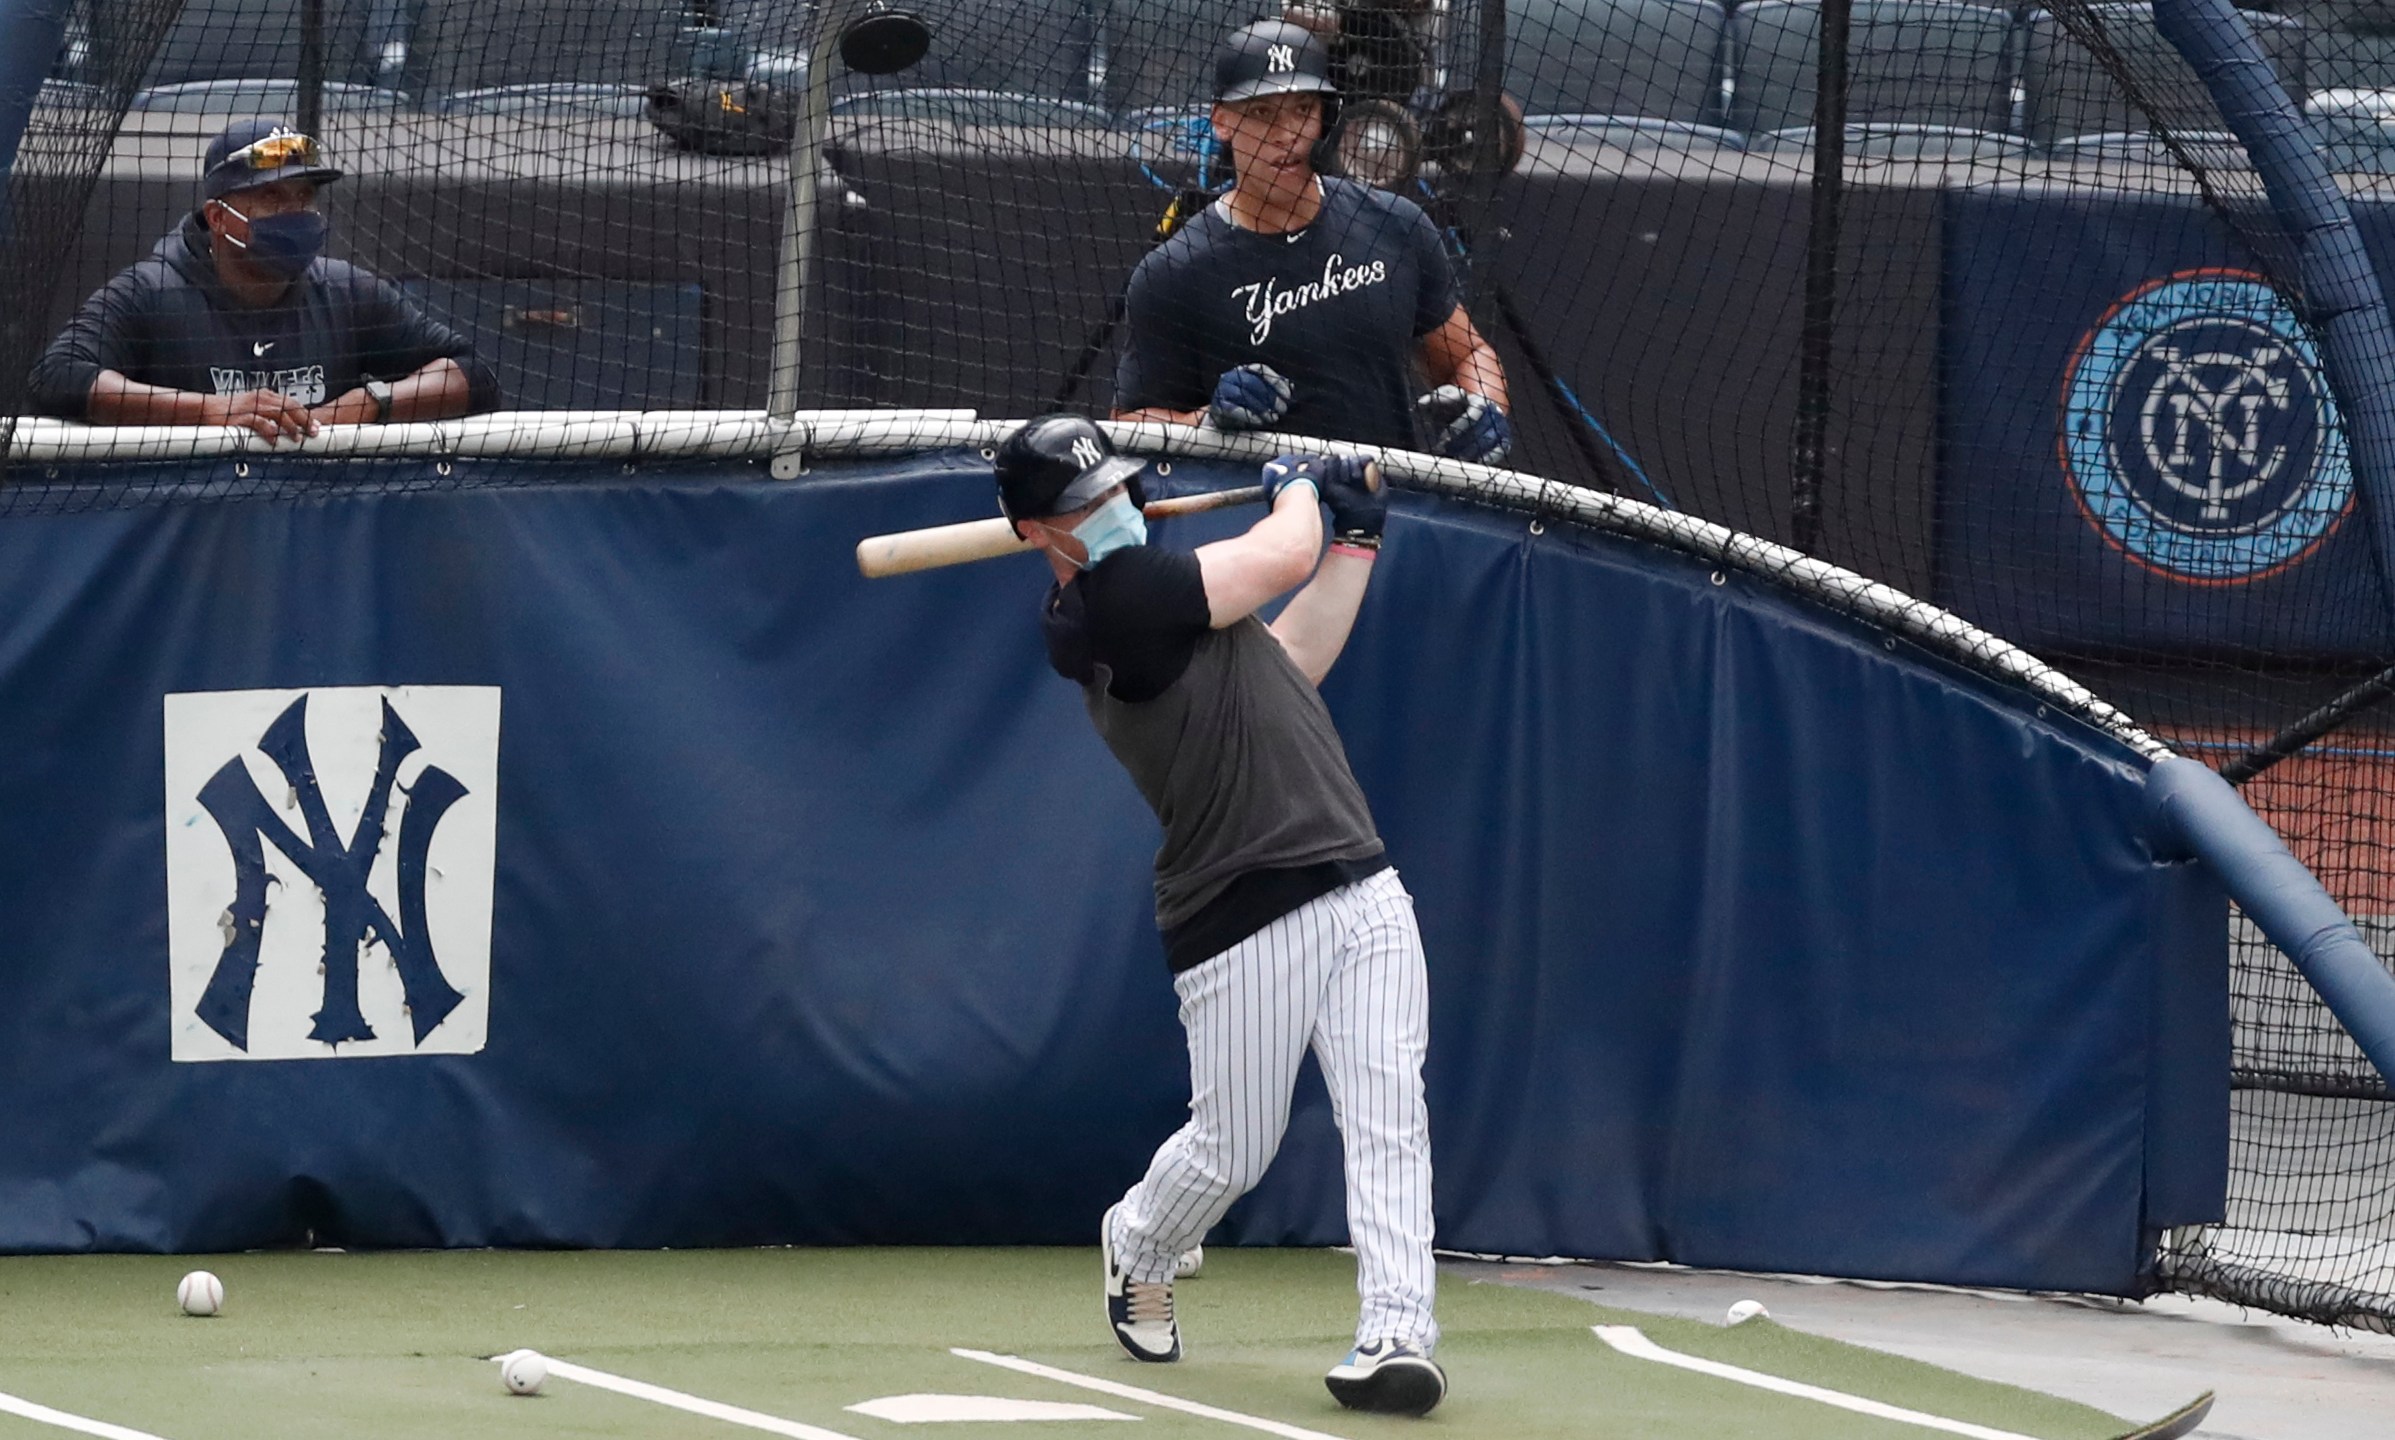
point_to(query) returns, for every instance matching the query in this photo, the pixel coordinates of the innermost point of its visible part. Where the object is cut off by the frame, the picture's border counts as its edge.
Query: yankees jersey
(1226, 739)
(169, 321)
(1336, 307)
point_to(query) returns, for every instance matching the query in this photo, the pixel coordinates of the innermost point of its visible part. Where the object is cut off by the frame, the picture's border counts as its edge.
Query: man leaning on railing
(237, 318)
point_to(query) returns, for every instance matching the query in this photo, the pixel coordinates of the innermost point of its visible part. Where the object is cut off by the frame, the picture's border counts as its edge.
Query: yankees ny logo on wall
(329, 866)
(2198, 433)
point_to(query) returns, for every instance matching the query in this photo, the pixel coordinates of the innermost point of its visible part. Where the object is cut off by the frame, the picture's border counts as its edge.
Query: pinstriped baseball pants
(1342, 974)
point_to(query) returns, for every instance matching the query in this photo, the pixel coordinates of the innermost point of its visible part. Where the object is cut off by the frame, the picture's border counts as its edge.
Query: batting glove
(1359, 508)
(1469, 426)
(1249, 398)
(1283, 471)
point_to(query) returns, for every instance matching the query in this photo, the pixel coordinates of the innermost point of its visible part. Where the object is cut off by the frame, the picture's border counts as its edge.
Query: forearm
(436, 392)
(1159, 414)
(116, 400)
(1482, 373)
(1315, 625)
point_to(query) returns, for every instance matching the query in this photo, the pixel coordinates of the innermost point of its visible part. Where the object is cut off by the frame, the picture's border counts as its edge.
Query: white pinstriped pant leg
(1371, 1034)
(1343, 974)
(1249, 1013)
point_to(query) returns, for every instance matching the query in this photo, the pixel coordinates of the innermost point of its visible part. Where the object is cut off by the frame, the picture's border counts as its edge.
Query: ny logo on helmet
(1278, 58)
(1087, 452)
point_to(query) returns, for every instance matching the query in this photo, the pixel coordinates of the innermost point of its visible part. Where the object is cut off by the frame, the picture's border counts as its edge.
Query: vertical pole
(311, 66)
(1809, 451)
(30, 33)
(1488, 93)
(795, 279)
(2339, 285)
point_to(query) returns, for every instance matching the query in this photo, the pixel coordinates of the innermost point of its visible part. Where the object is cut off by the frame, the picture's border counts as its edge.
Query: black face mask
(284, 245)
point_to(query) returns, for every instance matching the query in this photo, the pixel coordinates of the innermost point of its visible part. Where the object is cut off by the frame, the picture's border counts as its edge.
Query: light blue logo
(2198, 433)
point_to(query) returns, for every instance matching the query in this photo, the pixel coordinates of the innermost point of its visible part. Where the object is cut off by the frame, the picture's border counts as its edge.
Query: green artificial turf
(368, 1346)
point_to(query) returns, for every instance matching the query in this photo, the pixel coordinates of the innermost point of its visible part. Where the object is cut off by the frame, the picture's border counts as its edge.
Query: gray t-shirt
(1336, 307)
(1226, 738)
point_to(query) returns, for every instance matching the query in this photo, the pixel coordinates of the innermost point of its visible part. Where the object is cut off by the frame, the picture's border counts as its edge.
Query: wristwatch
(379, 391)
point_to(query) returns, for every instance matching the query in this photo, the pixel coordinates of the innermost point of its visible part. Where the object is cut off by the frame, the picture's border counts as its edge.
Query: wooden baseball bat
(910, 550)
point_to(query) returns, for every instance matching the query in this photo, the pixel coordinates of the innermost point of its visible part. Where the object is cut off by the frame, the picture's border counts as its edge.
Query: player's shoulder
(356, 282)
(1142, 585)
(1370, 202)
(1188, 246)
(1132, 570)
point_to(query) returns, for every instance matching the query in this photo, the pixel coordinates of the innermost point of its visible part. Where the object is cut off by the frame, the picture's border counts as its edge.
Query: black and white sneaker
(1140, 1314)
(1388, 1377)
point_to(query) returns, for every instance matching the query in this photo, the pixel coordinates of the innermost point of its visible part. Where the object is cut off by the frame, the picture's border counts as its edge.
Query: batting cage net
(1991, 305)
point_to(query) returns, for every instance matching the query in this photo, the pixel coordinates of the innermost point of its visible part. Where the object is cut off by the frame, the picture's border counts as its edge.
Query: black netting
(1842, 295)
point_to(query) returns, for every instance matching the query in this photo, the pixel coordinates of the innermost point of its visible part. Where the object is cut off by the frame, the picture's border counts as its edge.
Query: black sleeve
(1139, 615)
(1435, 298)
(1157, 367)
(104, 335)
(396, 339)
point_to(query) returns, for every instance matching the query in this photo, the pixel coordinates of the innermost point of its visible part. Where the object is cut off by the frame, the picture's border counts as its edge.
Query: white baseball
(524, 1372)
(1746, 1310)
(1191, 1262)
(200, 1293)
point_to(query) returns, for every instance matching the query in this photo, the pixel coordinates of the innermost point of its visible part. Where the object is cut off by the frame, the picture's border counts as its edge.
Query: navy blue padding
(822, 915)
(2187, 1159)
(2027, 279)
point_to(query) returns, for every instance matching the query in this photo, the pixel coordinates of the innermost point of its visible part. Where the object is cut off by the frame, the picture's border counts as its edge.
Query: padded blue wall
(820, 913)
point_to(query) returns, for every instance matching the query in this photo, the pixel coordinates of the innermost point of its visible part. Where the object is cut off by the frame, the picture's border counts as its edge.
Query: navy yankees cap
(260, 151)
(1057, 463)
(1270, 57)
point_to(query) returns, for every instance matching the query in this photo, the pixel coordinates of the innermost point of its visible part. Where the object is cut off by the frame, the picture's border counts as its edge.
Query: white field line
(1147, 1397)
(1629, 1340)
(712, 1409)
(43, 1414)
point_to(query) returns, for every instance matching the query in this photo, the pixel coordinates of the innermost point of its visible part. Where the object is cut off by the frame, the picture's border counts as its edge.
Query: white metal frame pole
(795, 275)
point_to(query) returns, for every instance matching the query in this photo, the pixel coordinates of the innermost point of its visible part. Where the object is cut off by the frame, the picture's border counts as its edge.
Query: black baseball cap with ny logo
(1271, 57)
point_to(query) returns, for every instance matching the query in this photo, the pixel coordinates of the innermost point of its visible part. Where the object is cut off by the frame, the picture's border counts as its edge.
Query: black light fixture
(883, 40)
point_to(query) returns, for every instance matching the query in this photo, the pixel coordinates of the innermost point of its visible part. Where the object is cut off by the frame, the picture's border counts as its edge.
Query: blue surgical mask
(284, 244)
(1115, 525)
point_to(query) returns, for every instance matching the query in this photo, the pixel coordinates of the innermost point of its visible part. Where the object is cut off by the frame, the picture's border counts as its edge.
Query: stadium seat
(2075, 109)
(1022, 47)
(1160, 53)
(956, 105)
(506, 54)
(259, 97)
(2355, 128)
(2364, 17)
(214, 40)
(1628, 72)
(1925, 78)
(2345, 60)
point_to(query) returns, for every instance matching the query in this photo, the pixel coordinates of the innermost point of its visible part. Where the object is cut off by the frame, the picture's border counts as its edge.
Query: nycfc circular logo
(2198, 433)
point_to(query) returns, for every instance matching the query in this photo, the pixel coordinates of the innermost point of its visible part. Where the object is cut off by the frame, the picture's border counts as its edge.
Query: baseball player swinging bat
(907, 551)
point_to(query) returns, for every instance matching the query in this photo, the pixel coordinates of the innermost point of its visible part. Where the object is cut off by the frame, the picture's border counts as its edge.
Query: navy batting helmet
(1271, 57)
(1058, 463)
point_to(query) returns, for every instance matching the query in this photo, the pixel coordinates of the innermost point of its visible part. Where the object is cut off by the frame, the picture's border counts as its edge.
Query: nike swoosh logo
(261, 347)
